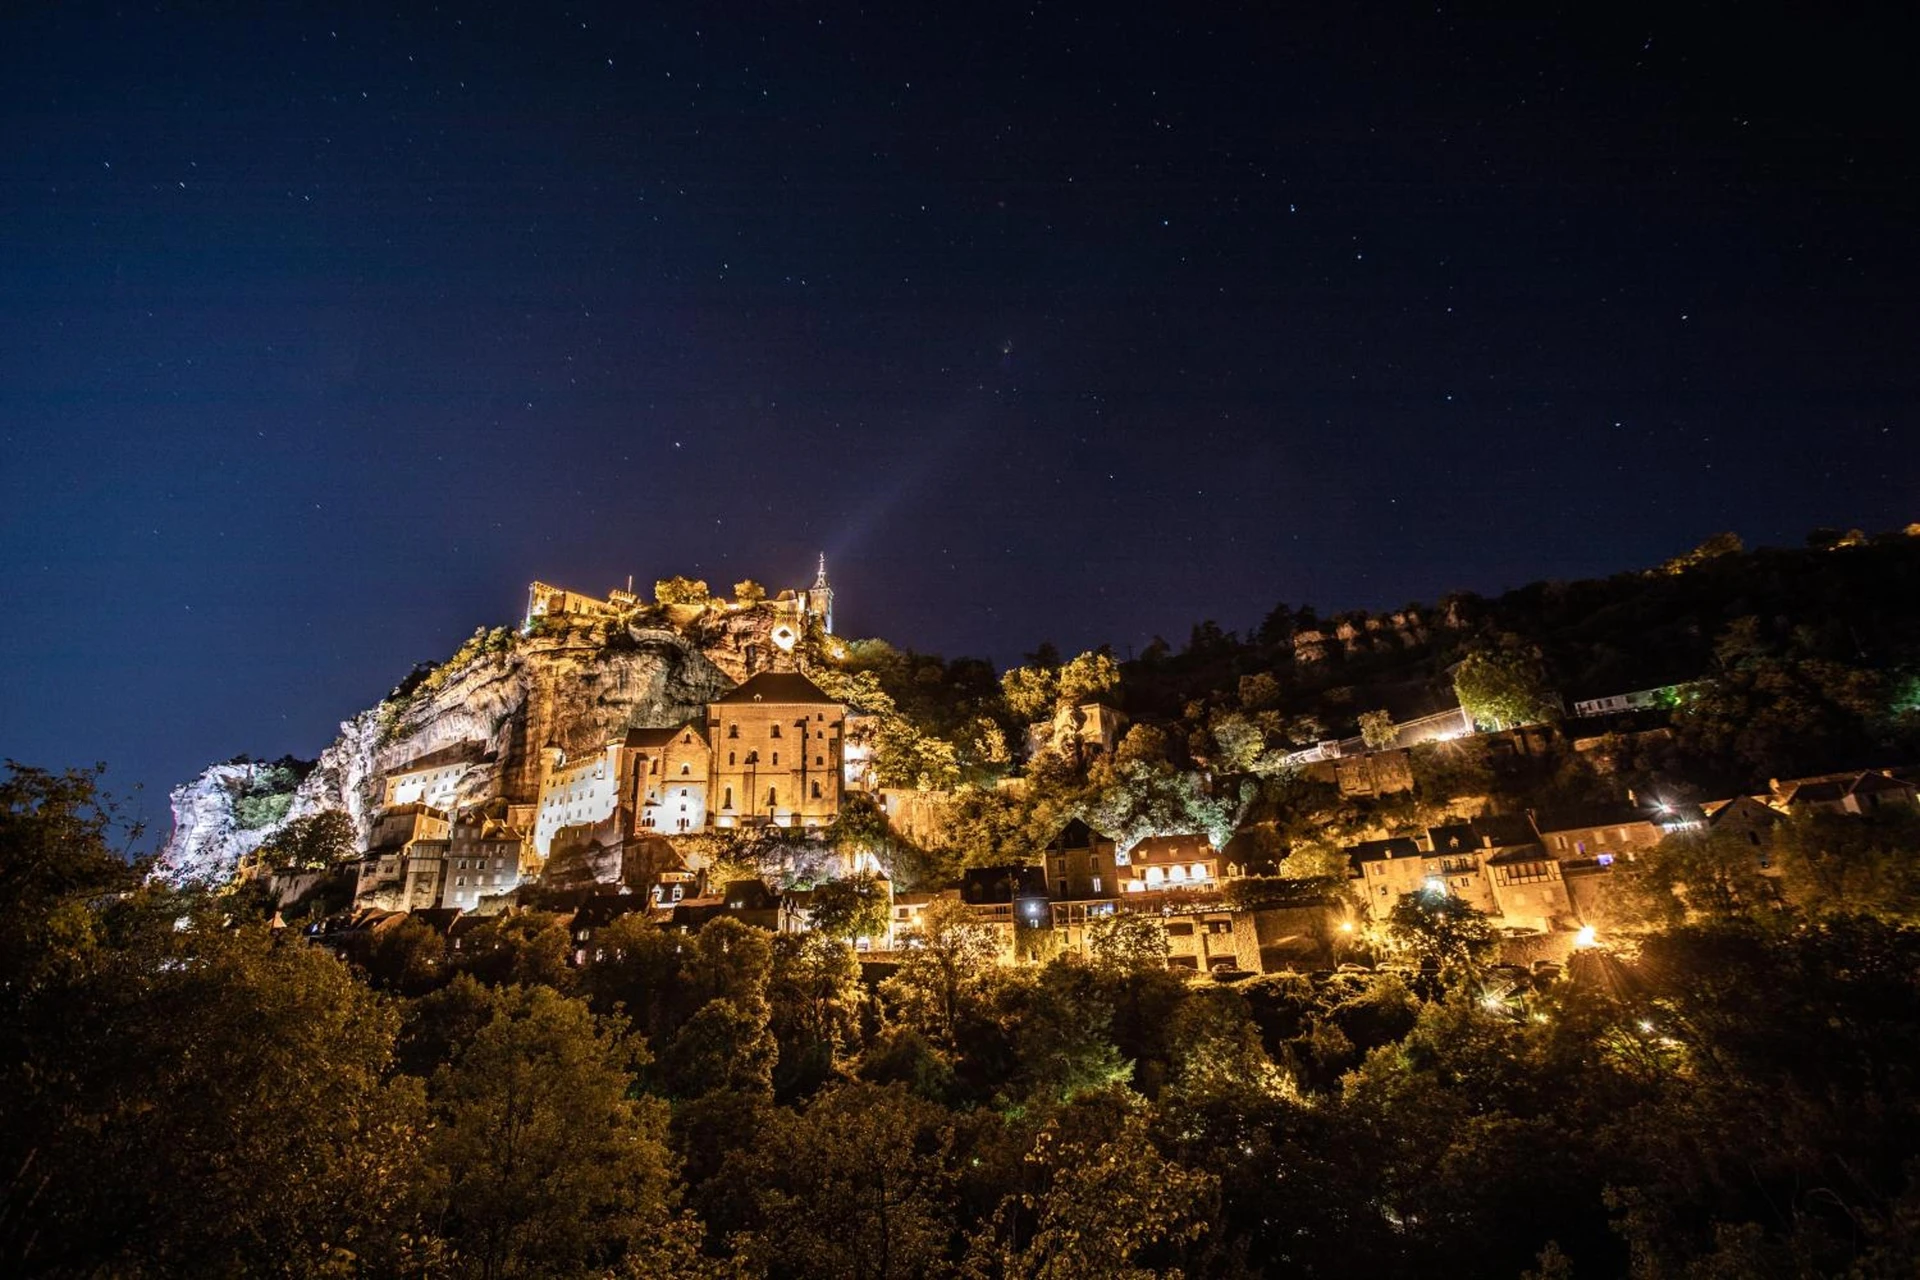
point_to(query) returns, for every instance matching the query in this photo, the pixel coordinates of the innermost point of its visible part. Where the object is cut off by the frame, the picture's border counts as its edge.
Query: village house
(405, 861)
(1856, 793)
(1080, 863)
(1168, 862)
(486, 858)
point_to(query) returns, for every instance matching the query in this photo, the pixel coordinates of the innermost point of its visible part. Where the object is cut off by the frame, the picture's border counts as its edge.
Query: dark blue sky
(323, 333)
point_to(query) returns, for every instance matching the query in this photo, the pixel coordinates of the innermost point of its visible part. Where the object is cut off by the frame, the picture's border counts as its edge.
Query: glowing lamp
(1586, 938)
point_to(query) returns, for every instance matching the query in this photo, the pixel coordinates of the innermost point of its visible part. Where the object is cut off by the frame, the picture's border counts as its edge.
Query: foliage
(264, 797)
(1376, 729)
(679, 590)
(548, 1165)
(1130, 800)
(1126, 942)
(854, 906)
(314, 842)
(747, 592)
(1505, 687)
(947, 955)
(1442, 929)
(1033, 693)
(1720, 544)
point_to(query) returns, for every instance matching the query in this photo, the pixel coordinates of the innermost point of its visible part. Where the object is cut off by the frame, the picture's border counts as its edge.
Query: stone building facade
(776, 744)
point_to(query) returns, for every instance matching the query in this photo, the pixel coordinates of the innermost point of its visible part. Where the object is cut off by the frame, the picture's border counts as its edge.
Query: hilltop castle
(796, 607)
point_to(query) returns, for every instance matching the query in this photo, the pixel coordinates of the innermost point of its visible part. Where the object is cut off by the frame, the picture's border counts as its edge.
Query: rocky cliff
(501, 699)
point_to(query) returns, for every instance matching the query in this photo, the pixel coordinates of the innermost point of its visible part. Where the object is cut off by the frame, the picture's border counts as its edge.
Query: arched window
(685, 768)
(728, 802)
(773, 731)
(730, 758)
(733, 730)
(816, 790)
(776, 759)
(773, 797)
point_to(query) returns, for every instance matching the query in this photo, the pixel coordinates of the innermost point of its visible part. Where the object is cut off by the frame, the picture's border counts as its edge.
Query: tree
(1030, 692)
(550, 1166)
(1376, 730)
(406, 958)
(678, 590)
(1095, 1195)
(1711, 875)
(56, 860)
(1090, 676)
(947, 953)
(726, 1046)
(527, 947)
(203, 1100)
(1442, 928)
(854, 1185)
(813, 1001)
(1720, 544)
(854, 906)
(1126, 942)
(314, 842)
(747, 592)
(1503, 688)
(1130, 800)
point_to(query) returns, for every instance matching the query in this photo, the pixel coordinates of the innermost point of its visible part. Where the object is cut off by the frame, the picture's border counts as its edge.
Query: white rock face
(573, 687)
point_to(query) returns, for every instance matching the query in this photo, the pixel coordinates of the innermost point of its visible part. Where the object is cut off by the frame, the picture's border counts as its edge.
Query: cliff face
(502, 698)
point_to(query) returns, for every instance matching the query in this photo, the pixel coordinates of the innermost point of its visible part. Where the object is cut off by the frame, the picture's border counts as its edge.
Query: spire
(820, 596)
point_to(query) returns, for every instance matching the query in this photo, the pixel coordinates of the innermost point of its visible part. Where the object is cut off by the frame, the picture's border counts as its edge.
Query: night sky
(324, 333)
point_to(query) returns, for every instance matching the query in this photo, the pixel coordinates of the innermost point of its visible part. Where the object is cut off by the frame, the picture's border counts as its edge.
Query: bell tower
(820, 595)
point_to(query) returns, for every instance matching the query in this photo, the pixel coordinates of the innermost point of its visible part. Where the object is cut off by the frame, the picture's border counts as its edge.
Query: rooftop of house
(1002, 884)
(1592, 817)
(1181, 848)
(1519, 853)
(1382, 850)
(662, 736)
(1830, 789)
(779, 687)
(1075, 835)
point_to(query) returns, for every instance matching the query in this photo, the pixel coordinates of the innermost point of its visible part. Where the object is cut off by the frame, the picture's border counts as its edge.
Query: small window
(816, 791)
(776, 759)
(773, 731)
(773, 796)
(733, 730)
(685, 769)
(819, 760)
(730, 758)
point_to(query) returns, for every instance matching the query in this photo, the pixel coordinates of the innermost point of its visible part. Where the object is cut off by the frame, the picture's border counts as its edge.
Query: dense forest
(185, 1094)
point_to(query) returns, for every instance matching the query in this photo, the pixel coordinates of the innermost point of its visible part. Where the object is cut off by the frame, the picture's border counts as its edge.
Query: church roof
(778, 687)
(660, 737)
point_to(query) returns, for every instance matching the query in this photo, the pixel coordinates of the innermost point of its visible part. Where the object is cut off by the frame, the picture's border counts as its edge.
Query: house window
(685, 769)
(733, 730)
(728, 802)
(776, 759)
(730, 758)
(773, 731)
(773, 796)
(816, 790)
(683, 795)
(1096, 884)
(819, 760)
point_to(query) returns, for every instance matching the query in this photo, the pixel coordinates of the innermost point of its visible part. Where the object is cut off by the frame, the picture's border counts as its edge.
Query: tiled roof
(778, 687)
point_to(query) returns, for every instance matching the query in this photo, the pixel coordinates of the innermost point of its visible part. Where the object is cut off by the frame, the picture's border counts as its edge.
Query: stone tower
(820, 595)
